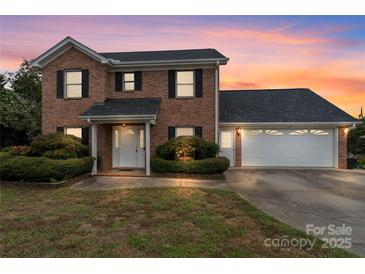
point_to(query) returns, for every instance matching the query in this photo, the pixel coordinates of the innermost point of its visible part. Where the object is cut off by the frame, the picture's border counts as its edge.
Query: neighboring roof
(278, 105)
(124, 107)
(164, 55)
(136, 58)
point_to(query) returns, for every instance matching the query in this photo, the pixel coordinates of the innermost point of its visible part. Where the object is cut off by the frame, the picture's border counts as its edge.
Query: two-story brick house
(126, 103)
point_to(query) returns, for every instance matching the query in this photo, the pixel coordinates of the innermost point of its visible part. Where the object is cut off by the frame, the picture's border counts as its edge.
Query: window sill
(78, 98)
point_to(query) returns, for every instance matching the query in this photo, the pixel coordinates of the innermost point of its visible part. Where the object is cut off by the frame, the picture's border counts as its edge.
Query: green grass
(161, 222)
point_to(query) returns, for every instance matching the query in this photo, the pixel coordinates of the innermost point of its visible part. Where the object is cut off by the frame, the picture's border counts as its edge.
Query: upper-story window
(128, 83)
(185, 84)
(73, 84)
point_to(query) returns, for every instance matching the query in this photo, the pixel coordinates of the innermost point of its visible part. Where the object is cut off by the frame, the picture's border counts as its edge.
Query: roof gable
(62, 47)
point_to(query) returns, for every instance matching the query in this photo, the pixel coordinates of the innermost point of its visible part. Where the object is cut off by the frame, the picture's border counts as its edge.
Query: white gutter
(289, 124)
(117, 117)
(216, 111)
(115, 63)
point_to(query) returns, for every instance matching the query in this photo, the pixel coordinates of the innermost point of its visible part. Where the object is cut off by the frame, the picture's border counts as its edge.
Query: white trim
(335, 148)
(58, 49)
(94, 148)
(118, 117)
(221, 61)
(216, 112)
(148, 148)
(289, 124)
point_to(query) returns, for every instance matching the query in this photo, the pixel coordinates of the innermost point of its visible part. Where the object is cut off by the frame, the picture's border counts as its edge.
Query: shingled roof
(164, 55)
(120, 107)
(278, 105)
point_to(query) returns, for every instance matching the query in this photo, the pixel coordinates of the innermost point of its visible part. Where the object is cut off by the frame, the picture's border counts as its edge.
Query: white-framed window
(141, 138)
(75, 131)
(184, 131)
(226, 139)
(128, 81)
(185, 84)
(73, 84)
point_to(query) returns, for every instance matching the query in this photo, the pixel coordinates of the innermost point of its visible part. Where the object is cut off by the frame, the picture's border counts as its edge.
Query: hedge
(205, 166)
(187, 146)
(58, 146)
(42, 169)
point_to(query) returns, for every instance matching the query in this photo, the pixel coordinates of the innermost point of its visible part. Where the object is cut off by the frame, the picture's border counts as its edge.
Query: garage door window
(301, 132)
(271, 132)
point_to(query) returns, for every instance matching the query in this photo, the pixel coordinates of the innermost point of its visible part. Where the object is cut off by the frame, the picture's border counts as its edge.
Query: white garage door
(288, 147)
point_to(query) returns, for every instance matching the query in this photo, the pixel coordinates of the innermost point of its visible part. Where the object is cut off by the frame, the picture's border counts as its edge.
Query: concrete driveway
(301, 197)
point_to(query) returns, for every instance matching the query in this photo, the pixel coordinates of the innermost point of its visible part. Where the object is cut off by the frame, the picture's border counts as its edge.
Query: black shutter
(171, 132)
(138, 80)
(85, 135)
(60, 130)
(85, 83)
(118, 81)
(171, 83)
(198, 83)
(60, 83)
(199, 132)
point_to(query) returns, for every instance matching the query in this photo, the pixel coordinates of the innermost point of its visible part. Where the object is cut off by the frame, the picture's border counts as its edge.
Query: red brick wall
(58, 112)
(238, 139)
(173, 112)
(342, 148)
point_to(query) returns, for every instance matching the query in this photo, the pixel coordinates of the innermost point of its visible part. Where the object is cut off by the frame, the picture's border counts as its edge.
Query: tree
(20, 105)
(355, 138)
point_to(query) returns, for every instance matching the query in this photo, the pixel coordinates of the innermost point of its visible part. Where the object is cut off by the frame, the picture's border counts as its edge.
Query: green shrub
(20, 150)
(43, 169)
(5, 155)
(187, 147)
(361, 163)
(204, 166)
(59, 146)
(60, 154)
(6, 149)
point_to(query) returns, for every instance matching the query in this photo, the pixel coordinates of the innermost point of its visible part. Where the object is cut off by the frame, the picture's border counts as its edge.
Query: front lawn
(161, 222)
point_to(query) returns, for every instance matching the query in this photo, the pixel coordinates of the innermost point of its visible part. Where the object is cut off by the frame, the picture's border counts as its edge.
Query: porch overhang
(108, 119)
(130, 110)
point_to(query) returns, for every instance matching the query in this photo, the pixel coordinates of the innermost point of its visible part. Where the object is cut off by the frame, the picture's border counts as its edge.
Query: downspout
(216, 112)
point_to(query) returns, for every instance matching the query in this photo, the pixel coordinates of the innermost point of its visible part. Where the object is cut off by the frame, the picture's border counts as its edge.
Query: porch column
(148, 148)
(94, 148)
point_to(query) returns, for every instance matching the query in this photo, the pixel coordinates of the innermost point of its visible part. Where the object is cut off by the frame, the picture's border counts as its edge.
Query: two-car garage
(280, 147)
(282, 128)
(288, 147)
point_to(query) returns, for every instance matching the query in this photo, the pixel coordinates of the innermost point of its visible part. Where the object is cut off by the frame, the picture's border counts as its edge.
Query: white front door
(288, 147)
(129, 146)
(227, 145)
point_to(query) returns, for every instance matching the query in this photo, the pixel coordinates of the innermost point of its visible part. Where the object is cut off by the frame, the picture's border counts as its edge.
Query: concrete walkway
(109, 183)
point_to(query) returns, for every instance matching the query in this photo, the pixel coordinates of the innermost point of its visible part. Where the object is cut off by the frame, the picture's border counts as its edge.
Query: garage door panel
(261, 149)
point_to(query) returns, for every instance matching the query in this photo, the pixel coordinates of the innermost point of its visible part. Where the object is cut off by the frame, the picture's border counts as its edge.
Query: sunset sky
(324, 53)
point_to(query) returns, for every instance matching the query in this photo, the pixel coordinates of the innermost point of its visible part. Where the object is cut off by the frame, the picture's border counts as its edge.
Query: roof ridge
(164, 50)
